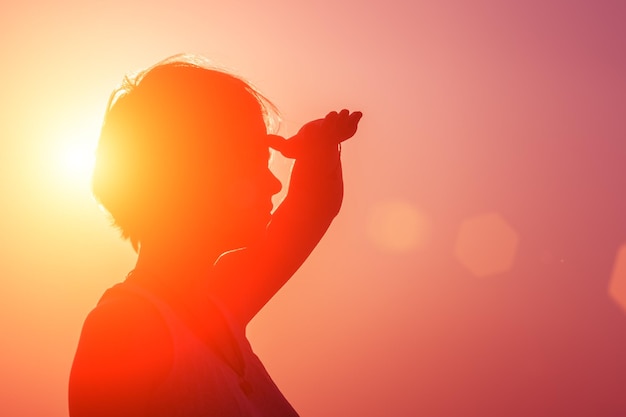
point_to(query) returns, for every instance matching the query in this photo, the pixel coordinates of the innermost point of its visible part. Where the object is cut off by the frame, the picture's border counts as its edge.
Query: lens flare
(617, 287)
(397, 226)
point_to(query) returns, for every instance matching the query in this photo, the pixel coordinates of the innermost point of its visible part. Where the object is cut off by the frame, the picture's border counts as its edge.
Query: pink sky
(511, 111)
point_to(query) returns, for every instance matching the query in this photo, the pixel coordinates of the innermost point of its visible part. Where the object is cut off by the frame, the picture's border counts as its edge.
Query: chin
(251, 237)
(258, 235)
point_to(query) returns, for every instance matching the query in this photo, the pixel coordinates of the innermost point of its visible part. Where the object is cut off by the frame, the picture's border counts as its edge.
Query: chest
(215, 372)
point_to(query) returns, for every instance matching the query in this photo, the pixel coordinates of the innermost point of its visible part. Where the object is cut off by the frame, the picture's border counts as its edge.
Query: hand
(318, 134)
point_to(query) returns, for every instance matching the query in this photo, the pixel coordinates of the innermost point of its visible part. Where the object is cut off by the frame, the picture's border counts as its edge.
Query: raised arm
(250, 277)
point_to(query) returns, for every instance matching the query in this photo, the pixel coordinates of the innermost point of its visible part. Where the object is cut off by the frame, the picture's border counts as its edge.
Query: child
(182, 167)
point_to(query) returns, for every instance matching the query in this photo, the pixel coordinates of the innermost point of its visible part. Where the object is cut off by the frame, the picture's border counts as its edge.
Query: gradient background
(469, 272)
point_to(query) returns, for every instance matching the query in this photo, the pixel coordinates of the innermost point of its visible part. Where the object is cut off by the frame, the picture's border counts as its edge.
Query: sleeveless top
(200, 383)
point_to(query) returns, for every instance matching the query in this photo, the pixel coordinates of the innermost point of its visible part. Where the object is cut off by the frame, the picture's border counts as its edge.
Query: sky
(478, 265)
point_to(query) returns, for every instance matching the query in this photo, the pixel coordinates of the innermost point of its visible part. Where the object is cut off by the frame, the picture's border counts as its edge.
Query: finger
(350, 127)
(357, 115)
(331, 118)
(347, 119)
(287, 147)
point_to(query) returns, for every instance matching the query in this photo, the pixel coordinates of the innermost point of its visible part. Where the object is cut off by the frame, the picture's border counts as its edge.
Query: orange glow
(486, 245)
(471, 107)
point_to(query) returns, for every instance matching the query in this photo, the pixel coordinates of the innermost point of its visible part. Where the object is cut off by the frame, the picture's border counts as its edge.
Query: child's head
(184, 146)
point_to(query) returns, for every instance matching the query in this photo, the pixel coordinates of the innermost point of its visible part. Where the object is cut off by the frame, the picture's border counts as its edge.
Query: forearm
(313, 201)
(297, 226)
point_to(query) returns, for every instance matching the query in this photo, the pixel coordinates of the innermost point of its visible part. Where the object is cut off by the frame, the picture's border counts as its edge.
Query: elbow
(330, 203)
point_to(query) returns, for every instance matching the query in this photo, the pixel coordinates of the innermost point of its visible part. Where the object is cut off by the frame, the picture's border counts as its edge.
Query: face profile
(249, 197)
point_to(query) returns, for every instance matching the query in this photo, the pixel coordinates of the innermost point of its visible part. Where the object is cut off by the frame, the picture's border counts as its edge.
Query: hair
(164, 128)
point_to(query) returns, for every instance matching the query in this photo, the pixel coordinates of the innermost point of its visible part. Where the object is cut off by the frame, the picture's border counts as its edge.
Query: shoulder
(123, 352)
(124, 322)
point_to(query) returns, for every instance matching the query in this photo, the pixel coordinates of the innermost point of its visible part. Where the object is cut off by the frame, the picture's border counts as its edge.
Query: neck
(173, 267)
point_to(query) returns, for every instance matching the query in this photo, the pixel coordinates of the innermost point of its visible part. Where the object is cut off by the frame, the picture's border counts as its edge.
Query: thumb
(282, 145)
(276, 142)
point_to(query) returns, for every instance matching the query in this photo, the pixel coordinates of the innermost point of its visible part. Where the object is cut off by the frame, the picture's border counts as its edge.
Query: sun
(76, 160)
(72, 151)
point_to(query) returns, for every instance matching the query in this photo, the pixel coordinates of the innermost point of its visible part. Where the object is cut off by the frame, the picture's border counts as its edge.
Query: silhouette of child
(182, 167)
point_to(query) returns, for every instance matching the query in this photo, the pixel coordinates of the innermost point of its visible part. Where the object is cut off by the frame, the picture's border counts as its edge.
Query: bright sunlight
(73, 153)
(76, 160)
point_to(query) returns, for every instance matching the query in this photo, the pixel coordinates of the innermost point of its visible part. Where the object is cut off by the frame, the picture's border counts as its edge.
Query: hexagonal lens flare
(617, 285)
